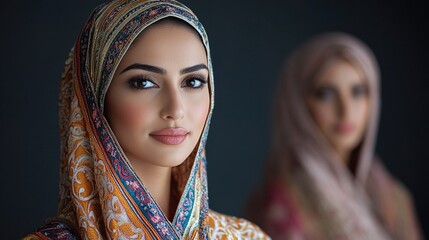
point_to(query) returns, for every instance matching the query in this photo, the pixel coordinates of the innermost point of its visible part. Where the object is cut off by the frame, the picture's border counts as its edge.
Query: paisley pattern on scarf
(226, 227)
(101, 197)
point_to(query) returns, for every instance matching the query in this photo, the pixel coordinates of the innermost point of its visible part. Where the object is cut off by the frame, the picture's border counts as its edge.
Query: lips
(170, 136)
(344, 128)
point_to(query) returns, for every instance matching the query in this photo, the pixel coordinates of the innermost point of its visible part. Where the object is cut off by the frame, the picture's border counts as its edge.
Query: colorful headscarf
(100, 194)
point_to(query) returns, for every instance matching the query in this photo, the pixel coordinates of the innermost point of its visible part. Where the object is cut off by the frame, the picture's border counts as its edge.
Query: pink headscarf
(298, 143)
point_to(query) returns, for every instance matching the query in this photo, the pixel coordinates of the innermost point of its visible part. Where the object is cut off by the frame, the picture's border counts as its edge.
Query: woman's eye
(325, 93)
(141, 83)
(194, 83)
(359, 91)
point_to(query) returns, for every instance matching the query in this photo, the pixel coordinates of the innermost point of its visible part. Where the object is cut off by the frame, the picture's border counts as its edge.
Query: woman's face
(339, 104)
(158, 101)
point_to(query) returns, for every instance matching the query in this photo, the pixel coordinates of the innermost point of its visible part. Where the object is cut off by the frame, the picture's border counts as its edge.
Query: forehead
(339, 71)
(167, 42)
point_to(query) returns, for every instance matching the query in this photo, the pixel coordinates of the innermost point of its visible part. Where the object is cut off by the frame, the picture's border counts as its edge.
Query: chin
(170, 161)
(346, 143)
(349, 146)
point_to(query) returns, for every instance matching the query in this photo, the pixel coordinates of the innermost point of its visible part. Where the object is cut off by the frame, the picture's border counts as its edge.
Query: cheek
(130, 114)
(361, 111)
(324, 114)
(198, 110)
(126, 114)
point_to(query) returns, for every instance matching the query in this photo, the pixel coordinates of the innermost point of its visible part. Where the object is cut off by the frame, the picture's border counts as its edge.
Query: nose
(173, 106)
(343, 106)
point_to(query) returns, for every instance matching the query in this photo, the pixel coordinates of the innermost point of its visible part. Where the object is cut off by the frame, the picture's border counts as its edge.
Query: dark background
(249, 42)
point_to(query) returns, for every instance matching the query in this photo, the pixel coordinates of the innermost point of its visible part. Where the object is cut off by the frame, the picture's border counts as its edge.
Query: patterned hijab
(100, 194)
(299, 144)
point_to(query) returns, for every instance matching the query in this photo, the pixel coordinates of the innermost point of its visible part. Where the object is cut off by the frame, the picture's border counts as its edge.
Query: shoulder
(53, 230)
(381, 182)
(32, 236)
(228, 227)
(394, 203)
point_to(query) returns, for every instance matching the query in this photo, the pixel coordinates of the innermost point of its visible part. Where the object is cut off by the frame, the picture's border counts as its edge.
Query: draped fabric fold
(99, 189)
(308, 193)
(101, 197)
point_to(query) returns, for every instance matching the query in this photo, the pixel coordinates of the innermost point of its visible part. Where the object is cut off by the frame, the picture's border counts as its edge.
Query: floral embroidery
(57, 230)
(99, 192)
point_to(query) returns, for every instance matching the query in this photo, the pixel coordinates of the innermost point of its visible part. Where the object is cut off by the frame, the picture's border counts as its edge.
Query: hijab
(299, 144)
(101, 196)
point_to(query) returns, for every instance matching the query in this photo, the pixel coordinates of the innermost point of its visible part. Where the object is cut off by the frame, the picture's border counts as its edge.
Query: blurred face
(338, 102)
(158, 101)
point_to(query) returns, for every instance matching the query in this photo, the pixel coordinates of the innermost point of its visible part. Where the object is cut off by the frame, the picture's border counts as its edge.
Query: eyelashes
(192, 82)
(141, 82)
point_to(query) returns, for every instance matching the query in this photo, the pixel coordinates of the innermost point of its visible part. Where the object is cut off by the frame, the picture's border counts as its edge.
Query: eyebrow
(146, 67)
(194, 68)
(154, 69)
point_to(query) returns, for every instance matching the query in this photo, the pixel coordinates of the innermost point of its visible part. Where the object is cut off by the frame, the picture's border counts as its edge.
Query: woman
(136, 100)
(323, 180)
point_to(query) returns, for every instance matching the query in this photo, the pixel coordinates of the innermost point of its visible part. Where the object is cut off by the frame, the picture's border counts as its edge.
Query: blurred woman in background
(323, 180)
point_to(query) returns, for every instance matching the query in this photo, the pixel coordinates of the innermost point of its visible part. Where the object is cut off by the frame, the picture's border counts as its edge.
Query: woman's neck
(343, 156)
(349, 160)
(157, 180)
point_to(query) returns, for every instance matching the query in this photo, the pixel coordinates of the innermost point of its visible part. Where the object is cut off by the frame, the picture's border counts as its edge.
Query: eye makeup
(194, 81)
(141, 83)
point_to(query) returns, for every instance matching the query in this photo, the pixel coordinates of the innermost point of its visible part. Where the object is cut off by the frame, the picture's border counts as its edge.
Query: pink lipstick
(170, 136)
(344, 128)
